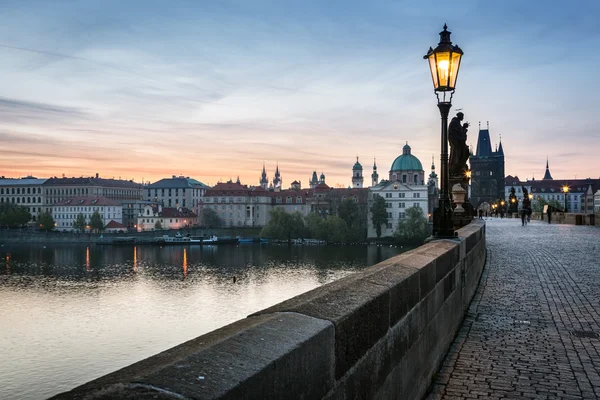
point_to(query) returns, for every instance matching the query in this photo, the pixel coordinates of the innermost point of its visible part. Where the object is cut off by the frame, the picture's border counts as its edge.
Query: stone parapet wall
(380, 333)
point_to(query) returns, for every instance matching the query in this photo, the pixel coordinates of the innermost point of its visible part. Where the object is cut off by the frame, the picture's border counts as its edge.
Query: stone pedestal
(469, 211)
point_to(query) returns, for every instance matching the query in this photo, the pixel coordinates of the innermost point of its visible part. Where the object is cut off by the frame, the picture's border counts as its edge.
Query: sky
(213, 89)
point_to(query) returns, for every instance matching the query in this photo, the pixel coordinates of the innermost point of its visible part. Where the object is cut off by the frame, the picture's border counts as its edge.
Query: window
(402, 195)
(416, 195)
(388, 205)
(389, 215)
(388, 195)
(278, 200)
(403, 178)
(415, 178)
(288, 200)
(402, 215)
(299, 199)
(389, 225)
(402, 205)
(416, 205)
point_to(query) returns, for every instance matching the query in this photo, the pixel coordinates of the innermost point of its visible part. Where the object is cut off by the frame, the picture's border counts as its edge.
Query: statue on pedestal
(459, 151)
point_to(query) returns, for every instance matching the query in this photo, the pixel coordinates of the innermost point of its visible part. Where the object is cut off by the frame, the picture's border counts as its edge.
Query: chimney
(97, 176)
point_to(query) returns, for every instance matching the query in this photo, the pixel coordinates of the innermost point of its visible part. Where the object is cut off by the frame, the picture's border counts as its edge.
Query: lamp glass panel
(443, 67)
(455, 65)
(433, 69)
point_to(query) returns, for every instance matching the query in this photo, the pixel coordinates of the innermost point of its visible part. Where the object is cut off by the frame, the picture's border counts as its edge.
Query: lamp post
(444, 63)
(565, 189)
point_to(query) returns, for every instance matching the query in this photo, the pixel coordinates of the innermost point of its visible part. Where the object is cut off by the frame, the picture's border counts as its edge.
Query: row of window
(99, 192)
(173, 203)
(18, 191)
(405, 178)
(168, 192)
(21, 200)
(152, 220)
(415, 195)
(63, 209)
(74, 216)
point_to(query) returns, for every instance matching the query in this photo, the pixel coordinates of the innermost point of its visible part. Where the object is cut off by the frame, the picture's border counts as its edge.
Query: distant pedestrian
(480, 213)
(549, 212)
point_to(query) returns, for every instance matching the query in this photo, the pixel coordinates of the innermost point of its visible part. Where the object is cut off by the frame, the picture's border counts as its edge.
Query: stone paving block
(541, 282)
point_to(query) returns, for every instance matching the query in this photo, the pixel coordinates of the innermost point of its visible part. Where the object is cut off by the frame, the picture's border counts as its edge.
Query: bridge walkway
(533, 329)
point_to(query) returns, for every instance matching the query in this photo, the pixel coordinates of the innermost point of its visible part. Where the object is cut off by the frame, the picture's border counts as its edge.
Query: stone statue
(459, 151)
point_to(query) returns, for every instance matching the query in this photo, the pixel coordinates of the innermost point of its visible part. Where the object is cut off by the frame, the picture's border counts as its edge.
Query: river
(72, 313)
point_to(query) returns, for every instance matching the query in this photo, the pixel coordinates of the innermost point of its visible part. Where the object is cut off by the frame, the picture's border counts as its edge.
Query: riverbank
(25, 236)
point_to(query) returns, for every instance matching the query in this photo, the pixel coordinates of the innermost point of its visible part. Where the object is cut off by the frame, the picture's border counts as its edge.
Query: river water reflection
(69, 314)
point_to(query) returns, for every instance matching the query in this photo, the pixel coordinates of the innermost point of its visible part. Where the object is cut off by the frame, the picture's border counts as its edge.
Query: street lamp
(444, 62)
(565, 190)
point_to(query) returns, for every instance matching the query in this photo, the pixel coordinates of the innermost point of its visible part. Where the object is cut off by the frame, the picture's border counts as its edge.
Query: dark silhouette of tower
(487, 171)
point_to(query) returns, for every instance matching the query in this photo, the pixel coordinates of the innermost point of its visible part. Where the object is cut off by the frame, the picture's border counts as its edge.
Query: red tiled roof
(114, 225)
(170, 212)
(87, 201)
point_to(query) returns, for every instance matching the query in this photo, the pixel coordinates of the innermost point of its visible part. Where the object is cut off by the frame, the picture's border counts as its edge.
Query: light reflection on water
(69, 314)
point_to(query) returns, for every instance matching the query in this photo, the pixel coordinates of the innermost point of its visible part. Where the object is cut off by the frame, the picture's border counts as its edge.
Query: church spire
(547, 175)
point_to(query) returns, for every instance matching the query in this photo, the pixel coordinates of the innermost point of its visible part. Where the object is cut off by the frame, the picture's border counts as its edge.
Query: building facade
(27, 192)
(168, 217)
(405, 188)
(59, 189)
(239, 205)
(65, 212)
(487, 172)
(175, 192)
(579, 196)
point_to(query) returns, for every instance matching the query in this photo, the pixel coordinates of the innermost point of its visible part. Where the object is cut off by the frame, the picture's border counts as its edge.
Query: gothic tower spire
(374, 175)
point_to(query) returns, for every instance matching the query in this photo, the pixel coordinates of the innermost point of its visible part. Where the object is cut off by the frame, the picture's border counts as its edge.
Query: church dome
(406, 162)
(357, 166)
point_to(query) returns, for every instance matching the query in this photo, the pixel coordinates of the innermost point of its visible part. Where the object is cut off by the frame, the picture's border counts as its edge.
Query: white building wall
(398, 198)
(65, 215)
(23, 193)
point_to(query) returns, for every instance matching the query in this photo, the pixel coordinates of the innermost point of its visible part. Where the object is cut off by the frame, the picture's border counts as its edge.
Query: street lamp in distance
(444, 63)
(565, 190)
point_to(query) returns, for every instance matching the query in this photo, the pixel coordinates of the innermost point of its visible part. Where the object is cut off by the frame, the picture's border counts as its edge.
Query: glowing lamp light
(530, 196)
(502, 202)
(565, 189)
(512, 200)
(444, 63)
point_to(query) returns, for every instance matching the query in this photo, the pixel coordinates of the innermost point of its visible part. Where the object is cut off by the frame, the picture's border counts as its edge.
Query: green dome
(406, 162)
(357, 166)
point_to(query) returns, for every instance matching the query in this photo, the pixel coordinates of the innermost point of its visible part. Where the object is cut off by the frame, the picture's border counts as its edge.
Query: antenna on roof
(488, 125)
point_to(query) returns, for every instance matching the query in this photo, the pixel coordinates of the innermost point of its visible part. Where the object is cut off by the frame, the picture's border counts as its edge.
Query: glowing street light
(444, 63)
(565, 190)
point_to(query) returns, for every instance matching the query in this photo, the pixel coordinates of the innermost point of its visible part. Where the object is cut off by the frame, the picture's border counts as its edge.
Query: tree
(279, 226)
(351, 213)
(46, 221)
(334, 229)
(79, 223)
(379, 214)
(209, 218)
(414, 228)
(158, 225)
(314, 224)
(538, 205)
(13, 215)
(284, 226)
(96, 223)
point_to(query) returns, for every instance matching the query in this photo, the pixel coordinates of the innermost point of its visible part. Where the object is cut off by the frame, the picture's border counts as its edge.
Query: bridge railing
(379, 333)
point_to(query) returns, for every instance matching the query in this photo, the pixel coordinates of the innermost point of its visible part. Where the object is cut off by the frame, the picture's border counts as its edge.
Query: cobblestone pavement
(532, 331)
